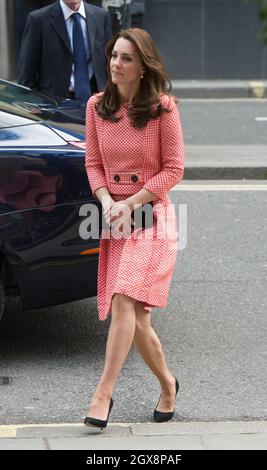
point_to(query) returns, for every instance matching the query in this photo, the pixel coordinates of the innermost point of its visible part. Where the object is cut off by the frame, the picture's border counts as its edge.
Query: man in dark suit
(63, 50)
(22, 9)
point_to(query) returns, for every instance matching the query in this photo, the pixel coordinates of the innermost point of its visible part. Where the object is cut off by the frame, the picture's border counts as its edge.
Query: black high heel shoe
(98, 423)
(161, 416)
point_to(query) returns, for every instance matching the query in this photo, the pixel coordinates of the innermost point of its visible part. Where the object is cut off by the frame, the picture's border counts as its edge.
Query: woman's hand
(117, 210)
(107, 203)
(118, 216)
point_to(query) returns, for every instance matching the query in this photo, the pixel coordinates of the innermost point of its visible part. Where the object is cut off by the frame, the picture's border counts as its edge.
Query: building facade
(208, 39)
(198, 39)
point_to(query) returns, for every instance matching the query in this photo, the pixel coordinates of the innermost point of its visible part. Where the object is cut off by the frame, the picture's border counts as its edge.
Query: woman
(134, 156)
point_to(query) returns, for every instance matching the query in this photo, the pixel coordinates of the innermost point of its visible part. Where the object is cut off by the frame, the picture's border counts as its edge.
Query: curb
(230, 173)
(225, 162)
(226, 435)
(134, 429)
(219, 89)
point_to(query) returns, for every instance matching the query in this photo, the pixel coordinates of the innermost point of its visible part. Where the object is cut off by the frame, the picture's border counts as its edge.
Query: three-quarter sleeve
(93, 160)
(172, 153)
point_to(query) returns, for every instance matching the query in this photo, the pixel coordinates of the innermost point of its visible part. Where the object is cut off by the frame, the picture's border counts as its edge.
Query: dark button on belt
(117, 178)
(134, 178)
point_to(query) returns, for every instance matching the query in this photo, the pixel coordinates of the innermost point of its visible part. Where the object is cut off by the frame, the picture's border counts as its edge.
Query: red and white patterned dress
(124, 160)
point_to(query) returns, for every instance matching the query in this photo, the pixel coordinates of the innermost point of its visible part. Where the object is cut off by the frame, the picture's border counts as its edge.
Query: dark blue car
(43, 185)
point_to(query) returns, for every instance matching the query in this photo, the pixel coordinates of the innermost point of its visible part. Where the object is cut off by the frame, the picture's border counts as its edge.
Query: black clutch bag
(142, 216)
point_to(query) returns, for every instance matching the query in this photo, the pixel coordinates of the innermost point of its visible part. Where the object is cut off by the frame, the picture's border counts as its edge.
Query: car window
(22, 136)
(20, 105)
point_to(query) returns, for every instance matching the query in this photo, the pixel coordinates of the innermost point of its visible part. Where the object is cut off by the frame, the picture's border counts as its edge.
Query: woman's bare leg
(149, 346)
(120, 338)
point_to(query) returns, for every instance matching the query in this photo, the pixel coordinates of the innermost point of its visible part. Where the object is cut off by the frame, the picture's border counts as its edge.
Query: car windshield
(20, 105)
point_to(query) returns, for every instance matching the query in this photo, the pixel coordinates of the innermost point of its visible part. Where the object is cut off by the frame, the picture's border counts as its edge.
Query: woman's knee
(122, 305)
(142, 319)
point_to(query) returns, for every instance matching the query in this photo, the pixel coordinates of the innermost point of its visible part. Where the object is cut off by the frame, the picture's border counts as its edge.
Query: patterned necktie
(81, 75)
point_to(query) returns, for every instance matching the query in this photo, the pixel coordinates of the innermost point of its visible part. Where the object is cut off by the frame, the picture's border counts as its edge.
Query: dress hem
(147, 305)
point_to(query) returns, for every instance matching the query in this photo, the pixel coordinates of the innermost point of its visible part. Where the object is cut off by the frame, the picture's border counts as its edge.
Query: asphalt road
(213, 330)
(224, 122)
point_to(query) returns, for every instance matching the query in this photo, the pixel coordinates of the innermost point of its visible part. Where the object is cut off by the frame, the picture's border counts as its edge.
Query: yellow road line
(10, 430)
(257, 88)
(220, 187)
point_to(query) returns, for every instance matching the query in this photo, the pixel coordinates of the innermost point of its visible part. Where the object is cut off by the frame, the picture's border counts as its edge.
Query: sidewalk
(220, 88)
(225, 162)
(229, 161)
(251, 435)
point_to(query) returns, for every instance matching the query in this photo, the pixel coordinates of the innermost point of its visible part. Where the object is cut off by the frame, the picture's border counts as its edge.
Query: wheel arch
(8, 276)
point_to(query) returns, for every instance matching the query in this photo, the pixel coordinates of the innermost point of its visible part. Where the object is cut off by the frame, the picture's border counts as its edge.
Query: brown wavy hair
(146, 104)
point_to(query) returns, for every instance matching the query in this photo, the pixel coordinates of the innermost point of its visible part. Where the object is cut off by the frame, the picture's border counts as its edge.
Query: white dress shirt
(68, 12)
